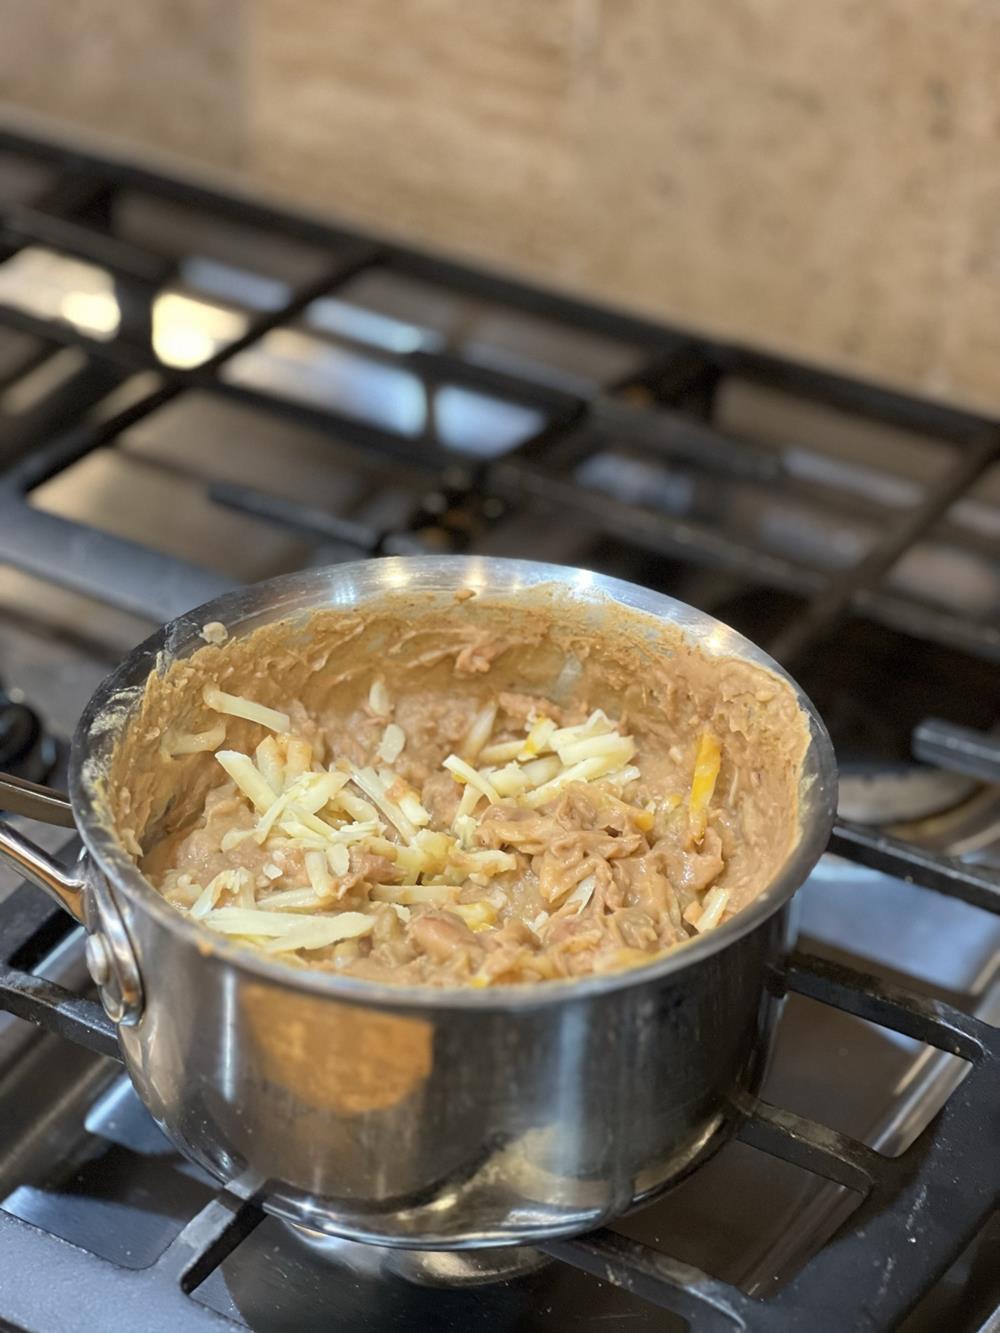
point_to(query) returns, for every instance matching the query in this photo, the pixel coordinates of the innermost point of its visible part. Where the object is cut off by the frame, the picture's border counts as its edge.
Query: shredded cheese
(375, 789)
(318, 932)
(463, 772)
(392, 744)
(485, 862)
(582, 894)
(319, 873)
(362, 811)
(413, 893)
(289, 900)
(508, 781)
(313, 828)
(477, 916)
(270, 761)
(248, 778)
(308, 817)
(500, 753)
(537, 771)
(411, 807)
(434, 845)
(712, 907)
(251, 921)
(621, 777)
(378, 699)
(591, 747)
(470, 798)
(233, 837)
(307, 795)
(465, 828)
(479, 732)
(338, 858)
(207, 899)
(236, 706)
(296, 833)
(585, 771)
(271, 815)
(597, 723)
(298, 758)
(707, 762)
(538, 738)
(174, 744)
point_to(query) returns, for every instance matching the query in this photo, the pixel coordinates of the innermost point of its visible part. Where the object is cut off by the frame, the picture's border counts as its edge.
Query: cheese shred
(236, 706)
(316, 825)
(707, 761)
(248, 778)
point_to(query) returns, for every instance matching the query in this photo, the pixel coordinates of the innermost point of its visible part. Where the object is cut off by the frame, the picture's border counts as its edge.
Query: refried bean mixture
(460, 796)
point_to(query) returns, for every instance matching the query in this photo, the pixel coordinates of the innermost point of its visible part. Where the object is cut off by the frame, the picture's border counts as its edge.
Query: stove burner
(424, 1268)
(25, 748)
(898, 793)
(286, 1279)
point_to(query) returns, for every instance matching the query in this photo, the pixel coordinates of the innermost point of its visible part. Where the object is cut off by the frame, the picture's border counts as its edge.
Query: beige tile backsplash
(448, 120)
(167, 73)
(823, 179)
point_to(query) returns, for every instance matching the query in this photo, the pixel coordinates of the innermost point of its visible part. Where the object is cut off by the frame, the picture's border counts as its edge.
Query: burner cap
(898, 793)
(25, 749)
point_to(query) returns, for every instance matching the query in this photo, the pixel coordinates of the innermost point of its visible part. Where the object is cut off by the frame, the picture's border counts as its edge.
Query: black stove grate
(662, 406)
(919, 1209)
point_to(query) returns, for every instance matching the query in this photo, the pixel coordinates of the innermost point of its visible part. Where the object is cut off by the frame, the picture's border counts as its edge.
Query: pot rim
(345, 586)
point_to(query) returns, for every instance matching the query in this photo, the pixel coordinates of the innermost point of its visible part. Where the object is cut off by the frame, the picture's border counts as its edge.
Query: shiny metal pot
(411, 1116)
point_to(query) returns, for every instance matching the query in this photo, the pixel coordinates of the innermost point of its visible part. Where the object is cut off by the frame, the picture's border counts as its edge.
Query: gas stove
(198, 390)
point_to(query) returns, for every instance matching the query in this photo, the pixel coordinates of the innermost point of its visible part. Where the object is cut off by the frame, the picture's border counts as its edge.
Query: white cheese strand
(236, 706)
(248, 778)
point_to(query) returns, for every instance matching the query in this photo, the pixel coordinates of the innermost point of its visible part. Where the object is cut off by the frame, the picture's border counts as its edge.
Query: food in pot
(466, 795)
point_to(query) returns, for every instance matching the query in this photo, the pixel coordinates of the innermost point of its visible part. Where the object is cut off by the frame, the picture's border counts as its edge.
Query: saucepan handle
(51, 807)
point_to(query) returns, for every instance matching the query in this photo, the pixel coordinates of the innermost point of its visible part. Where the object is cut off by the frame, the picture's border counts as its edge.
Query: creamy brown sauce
(646, 869)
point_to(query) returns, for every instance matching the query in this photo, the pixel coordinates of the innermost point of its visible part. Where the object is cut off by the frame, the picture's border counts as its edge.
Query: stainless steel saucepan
(439, 1118)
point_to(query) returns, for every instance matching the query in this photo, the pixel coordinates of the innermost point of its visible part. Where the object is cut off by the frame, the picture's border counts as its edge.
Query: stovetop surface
(83, 1161)
(198, 391)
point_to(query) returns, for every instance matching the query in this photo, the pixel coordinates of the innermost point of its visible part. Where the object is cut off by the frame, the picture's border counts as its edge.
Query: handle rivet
(98, 959)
